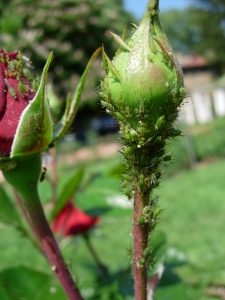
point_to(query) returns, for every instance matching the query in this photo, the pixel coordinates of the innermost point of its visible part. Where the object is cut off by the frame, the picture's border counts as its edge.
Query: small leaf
(34, 131)
(22, 283)
(71, 110)
(68, 190)
(68, 105)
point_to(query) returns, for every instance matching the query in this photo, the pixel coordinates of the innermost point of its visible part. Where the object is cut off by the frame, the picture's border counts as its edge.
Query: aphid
(43, 174)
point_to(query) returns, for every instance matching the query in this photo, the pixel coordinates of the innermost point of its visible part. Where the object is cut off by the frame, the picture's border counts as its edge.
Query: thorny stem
(140, 236)
(24, 177)
(50, 247)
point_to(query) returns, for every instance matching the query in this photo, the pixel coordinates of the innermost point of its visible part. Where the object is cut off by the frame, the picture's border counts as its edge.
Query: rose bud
(143, 89)
(73, 221)
(25, 121)
(144, 82)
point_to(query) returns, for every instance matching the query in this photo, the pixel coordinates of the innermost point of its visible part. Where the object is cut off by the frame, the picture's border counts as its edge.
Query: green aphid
(21, 88)
(12, 92)
(2, 58)
(160, 122)
(12, 65)
(27, 74)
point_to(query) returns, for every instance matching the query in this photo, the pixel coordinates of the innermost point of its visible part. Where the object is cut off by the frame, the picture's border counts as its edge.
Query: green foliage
(24, 283)
(208, 139)
(189, 268)
(181, 28)
(187, 30)
(68, 190)
(207, 142)
(8, 212)
(74, 29)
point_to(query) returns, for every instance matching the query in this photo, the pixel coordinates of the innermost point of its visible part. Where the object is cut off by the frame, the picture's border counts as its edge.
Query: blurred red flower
(73, 221)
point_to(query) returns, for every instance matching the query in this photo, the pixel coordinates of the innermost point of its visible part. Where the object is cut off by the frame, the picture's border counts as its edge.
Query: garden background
(189, 240)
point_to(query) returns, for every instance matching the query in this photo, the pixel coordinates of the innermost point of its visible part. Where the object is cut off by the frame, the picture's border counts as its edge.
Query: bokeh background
(189, 241)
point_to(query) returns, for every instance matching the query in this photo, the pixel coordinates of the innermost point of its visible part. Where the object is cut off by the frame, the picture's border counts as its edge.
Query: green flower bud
(144, 76)
(35, 131)
(25, 120)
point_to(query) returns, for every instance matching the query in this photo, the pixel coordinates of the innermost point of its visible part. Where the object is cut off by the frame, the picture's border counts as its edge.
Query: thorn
(53, 268)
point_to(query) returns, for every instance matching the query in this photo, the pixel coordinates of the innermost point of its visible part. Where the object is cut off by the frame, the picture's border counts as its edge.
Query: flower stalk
(25, 180)
(140, 236)
(26, 130)
(143, 89)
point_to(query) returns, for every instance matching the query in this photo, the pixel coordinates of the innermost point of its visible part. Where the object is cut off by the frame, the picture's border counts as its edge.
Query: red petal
(2, 92)
(73, 221)
(12, 102)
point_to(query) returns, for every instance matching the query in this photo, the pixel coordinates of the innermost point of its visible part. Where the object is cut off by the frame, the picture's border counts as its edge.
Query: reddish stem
(140, 236)
(50, 248)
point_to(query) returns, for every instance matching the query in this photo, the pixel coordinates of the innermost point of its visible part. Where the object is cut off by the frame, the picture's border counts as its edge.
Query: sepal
(109, 66)
(34, 131)
(120, 41)
(72, 104)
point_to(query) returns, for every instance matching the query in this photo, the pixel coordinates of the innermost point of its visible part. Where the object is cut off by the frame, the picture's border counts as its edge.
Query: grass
(192, 219)
(194, 207)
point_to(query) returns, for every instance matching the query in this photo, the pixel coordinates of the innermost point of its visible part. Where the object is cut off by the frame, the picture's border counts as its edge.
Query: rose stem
(140, 231)
(49, 246)
(24, 213)
(102, 268)
(140, 236)
(25, 177)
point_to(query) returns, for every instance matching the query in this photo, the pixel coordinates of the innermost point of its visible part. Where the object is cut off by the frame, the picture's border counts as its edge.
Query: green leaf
(34, 132)
(158, 246)
(71, 110)
(176, 291)
(8, 212)
(22, 283)
(68, 190)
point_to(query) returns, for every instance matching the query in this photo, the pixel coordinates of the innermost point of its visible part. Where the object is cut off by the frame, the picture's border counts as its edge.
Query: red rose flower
(15, 93)
(73, 221)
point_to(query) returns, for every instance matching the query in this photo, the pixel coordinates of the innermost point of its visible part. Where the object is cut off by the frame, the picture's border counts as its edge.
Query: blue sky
(138, 6)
